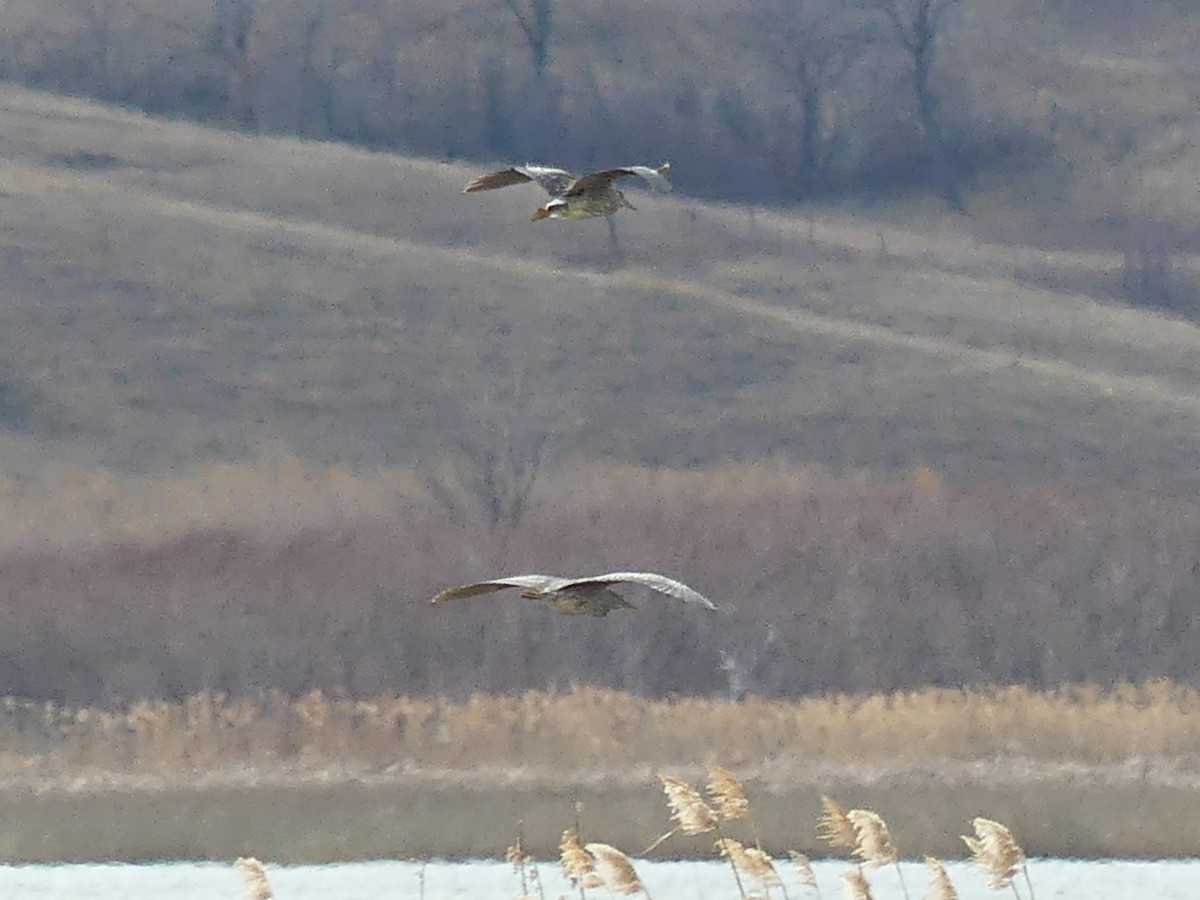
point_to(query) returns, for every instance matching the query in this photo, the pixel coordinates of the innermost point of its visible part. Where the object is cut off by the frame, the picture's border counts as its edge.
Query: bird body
(591, 596)
(585, 197)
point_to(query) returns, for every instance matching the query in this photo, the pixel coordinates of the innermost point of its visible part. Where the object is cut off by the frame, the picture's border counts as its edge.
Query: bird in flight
(592, 596)
(585, 197)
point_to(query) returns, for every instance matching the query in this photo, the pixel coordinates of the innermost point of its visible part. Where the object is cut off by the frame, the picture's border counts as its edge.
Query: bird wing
(600, 180)
(553, 181)
(655, 582)
(537, 582)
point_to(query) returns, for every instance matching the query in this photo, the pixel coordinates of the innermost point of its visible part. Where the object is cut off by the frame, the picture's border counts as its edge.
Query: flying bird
(580, 596)
(585, 197)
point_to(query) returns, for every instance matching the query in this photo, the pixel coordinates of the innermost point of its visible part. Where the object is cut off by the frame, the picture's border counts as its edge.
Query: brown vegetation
(823, 584)
(306, 314)
(596, 734)
(756, 876)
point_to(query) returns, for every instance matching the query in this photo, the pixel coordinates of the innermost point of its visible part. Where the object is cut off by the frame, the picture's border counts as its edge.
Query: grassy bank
(1079, 772)
(609, 735)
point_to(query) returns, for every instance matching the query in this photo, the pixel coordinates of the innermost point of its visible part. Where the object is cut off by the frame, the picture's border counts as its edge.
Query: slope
(175, 294)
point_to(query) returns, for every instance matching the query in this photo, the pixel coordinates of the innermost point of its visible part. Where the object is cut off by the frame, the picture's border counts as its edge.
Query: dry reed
(727, 793)
(615, 870)
(996, 851)
(254, 878)
(873, 842)
(576, 862)
(751, 862)
(804, 870)
(525, 866)
(855, 885)
(688, 809)
(940, 886)
(834, 827)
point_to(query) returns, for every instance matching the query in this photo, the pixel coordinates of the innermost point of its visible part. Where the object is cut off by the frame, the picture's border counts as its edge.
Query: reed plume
(997, 852)
(808, 878)
(727, 793)
(751, 862)
(940, 886)
(835, 827)
(855, 886)
(688, 809)
(254, 878)
(615, 870)
(576, 863)
(873, 842)
(525, 866)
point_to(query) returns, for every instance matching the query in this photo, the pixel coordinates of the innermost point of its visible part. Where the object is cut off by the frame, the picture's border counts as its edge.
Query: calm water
(1112, 880)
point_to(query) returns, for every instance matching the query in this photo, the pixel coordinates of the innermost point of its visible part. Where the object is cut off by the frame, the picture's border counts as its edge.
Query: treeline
(778, 100)
(823, 584)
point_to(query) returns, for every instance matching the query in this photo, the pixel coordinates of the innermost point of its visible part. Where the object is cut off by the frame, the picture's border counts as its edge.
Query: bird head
(555, 209)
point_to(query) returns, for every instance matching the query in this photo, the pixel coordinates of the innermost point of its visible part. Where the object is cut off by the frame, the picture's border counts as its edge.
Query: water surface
(1052, 878)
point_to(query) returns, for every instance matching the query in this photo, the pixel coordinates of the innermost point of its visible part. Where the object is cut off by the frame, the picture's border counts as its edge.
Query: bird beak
(540, 213)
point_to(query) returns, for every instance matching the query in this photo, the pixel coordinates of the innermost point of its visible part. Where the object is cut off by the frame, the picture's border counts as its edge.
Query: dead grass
(227, 293)
(1147, 731)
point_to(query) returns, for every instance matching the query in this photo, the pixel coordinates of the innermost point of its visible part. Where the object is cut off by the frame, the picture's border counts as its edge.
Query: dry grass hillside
(176, 295)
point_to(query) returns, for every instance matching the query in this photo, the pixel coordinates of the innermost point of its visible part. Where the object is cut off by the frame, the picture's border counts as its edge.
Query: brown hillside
(176, 295)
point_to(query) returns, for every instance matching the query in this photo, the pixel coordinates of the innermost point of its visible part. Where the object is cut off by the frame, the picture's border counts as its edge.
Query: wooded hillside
(260, 397)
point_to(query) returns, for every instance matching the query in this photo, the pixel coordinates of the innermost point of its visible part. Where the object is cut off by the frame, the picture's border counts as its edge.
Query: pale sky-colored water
(386, 880)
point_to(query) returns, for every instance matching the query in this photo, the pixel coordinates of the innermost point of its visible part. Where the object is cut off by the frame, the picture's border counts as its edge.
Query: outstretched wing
(655, 582)
(600, 180)
(553, 181)
(537, 582)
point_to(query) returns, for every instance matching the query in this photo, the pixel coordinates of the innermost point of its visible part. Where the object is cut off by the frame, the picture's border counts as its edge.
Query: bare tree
(320, 62)
(811, 44)
(536, 21)
(376, 109)
(230, 41)
(100, 30)
(505, 437)
(917, 25)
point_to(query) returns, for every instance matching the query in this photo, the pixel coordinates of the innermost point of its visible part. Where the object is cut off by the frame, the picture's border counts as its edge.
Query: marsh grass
(964, 734)
(861, 831)
(599, 865)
